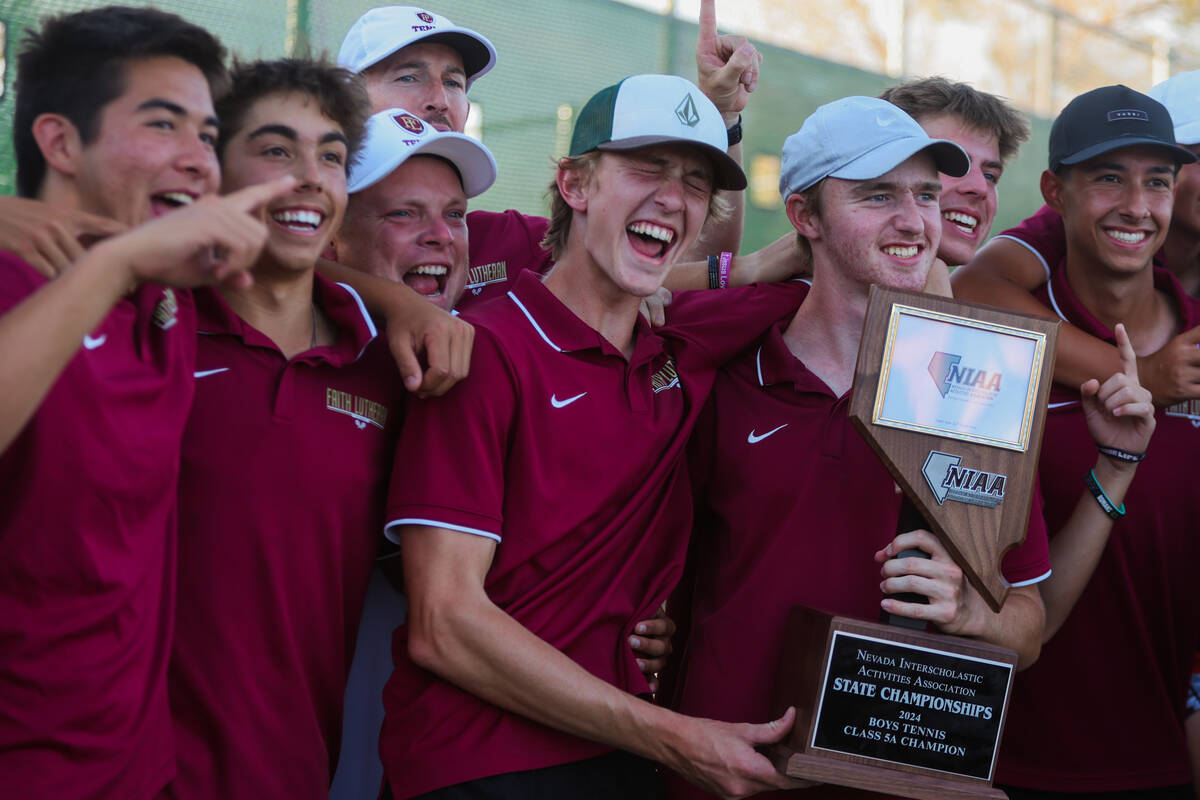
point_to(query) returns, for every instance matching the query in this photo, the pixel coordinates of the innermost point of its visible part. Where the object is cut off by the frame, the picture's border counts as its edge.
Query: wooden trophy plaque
(952, 397)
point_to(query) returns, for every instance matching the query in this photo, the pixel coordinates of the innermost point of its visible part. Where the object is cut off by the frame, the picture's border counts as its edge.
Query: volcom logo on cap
(409, 123)
(1128, 113)
(421, 15)
(686, 111)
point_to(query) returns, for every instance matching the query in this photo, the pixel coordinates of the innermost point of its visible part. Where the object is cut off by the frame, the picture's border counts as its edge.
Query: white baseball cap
(857, 139)
(644, 110)
(1181, 95)
(382, 31)
(395, 135)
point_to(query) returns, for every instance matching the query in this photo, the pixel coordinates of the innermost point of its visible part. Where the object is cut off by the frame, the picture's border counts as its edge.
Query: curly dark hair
(339, 94)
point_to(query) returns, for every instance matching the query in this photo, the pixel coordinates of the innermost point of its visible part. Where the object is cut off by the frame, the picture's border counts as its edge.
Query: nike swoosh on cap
(204, 373)
(554, 401)
(92, 344)
(754, 438)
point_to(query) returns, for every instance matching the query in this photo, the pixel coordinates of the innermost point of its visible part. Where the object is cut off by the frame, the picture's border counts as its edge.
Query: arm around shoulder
(211, 241)
(778, 261)
(1005, 273)
(415, 328)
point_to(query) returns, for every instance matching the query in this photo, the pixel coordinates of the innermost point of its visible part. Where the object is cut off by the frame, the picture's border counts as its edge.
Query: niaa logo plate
(949, 480)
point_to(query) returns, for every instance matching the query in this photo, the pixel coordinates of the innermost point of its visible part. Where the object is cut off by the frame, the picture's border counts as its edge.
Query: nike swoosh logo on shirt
(554, 401)
(204, 373)
(756, 438)
(92, 344)
(1063, 404)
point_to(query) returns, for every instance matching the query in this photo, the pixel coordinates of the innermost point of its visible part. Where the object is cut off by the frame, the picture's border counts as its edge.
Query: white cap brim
(384, 30)
(478, 54)
(387, 148)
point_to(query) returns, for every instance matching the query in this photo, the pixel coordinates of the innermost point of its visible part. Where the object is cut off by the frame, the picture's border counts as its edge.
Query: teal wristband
(1112, 509)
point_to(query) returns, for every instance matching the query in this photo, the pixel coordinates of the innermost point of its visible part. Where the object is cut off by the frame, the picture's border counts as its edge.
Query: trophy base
(874, 779)
(891, 710)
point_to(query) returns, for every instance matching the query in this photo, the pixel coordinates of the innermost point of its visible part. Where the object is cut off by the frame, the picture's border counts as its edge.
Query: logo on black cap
(686, 111)
(1131, 118)
(1128, 113)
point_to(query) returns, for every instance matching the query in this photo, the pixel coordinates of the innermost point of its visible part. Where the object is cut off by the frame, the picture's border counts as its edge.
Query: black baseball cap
(1110, 117)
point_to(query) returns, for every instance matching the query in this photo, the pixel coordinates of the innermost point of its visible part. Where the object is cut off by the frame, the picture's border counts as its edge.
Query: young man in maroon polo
(529, 561)
(1019, 261)
(406, 221)
(421, 61)
(295, 387)
(795, 502)
(114, 118)
(1102, 710)
(413, 59)
(405, 217)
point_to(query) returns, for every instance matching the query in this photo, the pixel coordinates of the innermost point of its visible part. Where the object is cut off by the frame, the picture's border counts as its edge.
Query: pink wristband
(723, 274)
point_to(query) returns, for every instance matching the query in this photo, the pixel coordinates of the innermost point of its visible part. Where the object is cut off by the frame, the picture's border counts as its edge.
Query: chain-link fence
(553, 54)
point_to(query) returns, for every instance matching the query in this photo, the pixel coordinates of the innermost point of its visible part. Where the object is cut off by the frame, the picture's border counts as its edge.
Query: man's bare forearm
(381, 296)
(1077, 547)
(781, 260)
(456, 632)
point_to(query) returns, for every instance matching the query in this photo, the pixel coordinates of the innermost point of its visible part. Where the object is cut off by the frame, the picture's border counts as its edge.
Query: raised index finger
(1128, 357)
(254, 196)
(708, 25)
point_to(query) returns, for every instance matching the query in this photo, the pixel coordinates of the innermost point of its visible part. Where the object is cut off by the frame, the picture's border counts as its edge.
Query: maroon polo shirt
(503, 245)
(87, 555)
(792, 506)
(284, 474)
(571, 459)
(1102, 708)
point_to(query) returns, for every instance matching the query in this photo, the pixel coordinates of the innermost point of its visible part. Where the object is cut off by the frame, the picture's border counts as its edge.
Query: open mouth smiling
(650, 239)
(299, 220)
(964, 222)
(428, 280)
(163, 202)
